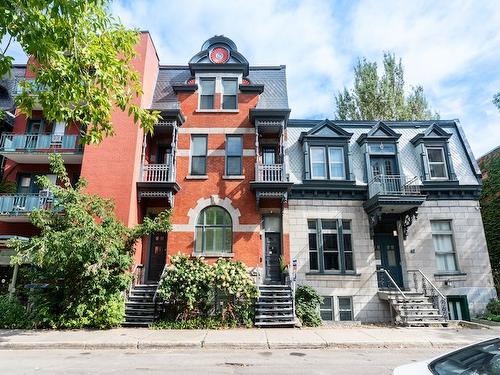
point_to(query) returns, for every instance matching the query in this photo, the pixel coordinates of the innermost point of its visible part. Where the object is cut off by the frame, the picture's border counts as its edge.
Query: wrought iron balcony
(269, 173)
(393, 185)
(13, 207)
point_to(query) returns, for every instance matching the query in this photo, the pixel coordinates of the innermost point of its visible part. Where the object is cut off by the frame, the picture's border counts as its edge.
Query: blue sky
(452, 48)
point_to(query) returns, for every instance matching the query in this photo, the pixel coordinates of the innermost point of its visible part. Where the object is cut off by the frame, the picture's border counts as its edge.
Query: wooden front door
(157, 256)
(272, 258)
(388, 247)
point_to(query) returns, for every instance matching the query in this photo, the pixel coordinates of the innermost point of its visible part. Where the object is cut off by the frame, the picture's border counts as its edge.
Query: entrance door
(272, 255)
(157, 256)
(387, 247)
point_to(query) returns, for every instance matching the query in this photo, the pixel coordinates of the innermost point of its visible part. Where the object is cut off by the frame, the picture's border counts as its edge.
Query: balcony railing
(23, 204)
(37, 142)
(156, 173)
(269, 173)
(393, 185)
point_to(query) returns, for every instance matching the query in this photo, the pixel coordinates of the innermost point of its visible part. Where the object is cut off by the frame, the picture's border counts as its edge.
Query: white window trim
(429, 163)
(343, 177)
(339, 310)
(454, 252)
(218, 89)
(234, 79)
(313, 177)
(201, 92)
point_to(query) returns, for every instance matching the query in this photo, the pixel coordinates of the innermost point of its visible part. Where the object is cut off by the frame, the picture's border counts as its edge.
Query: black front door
(157, 256)
(273, 253)
(387, 246)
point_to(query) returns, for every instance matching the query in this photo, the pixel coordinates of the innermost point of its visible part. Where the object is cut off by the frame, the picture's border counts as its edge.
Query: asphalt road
(267, 362)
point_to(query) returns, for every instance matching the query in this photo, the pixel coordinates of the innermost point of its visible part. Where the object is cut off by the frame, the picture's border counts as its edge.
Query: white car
(477, 359)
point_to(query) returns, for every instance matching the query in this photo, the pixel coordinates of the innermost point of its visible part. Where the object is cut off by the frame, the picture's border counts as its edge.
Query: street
(205, 361)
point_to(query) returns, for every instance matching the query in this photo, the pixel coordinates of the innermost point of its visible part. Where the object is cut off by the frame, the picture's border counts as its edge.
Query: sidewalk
(277, 338)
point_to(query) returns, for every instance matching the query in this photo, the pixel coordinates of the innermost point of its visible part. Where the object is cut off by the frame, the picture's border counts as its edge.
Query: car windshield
(480, 359)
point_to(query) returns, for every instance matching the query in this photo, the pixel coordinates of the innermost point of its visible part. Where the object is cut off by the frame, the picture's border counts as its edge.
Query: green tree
(82, 67)
(381, 98)
(496, 100)
(83, 253)
(490, 210)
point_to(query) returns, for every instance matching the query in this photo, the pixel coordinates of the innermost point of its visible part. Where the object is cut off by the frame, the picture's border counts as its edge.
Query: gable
(327, 129)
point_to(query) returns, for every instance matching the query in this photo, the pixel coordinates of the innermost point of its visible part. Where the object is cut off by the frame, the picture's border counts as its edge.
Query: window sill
(213, 255)
(235, 177)
(197, 177)
(450, 274)
(217, 111)
(333, 276)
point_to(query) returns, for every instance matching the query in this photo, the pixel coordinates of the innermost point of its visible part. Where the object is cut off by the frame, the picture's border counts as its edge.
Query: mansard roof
(433, 133)
(326, 129)
(219, 53)
(273, 78)
(380, 131)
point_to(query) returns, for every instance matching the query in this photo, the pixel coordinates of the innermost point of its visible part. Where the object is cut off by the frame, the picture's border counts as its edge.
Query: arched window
(214, 231)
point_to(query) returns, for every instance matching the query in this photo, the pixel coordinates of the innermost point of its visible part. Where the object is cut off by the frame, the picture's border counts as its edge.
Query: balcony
(157, 181)
(16, 207)
(393, 185)
(393, 194)
(269, 173)
(34, 148)
(271, 182)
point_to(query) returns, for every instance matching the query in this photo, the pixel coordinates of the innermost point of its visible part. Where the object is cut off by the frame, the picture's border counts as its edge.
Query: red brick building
(216, 159)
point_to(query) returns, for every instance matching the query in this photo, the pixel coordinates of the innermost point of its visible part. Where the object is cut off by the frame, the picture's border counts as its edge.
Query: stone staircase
(274, 307)
(140, 306)
(413, 310)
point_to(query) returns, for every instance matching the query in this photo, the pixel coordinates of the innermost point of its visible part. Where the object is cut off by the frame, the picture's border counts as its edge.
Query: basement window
(326, 309)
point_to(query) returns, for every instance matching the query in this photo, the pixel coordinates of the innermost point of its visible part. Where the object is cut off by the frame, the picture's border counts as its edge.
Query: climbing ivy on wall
(490, 209)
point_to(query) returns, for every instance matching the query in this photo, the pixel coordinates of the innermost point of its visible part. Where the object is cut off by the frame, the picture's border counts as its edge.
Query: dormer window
(207, 93)
(327, 163)
(437, 163)
(326, 153)
(229, 93)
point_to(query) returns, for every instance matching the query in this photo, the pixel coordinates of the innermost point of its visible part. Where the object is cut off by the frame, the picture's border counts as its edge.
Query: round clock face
(219, 55)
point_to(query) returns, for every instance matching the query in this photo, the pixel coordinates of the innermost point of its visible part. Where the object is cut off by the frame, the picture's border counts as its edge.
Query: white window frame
(351, 309)
(453, 252)
(330, 162)
(233, 79)
(325, 164)
(444, 163)
(332, 311)
(201, 93)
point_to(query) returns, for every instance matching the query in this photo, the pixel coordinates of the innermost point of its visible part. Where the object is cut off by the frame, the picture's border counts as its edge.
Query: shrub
(195, 289)
(186, 287)
(195, 323)
(13, 314)
(83, 253)
(307, 302)
(492, 311)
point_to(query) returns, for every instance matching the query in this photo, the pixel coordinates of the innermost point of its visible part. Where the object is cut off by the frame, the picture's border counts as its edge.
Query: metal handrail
(442, 304)
(132, 283)
(393, 185)
(163, 273)
(392, 281)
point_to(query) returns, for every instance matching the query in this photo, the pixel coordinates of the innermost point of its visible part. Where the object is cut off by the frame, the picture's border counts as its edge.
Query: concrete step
(289, 323)
(275, 297)
(274, 303)
(274, 317)
(138, 311)
(278, 310)
(138, 303)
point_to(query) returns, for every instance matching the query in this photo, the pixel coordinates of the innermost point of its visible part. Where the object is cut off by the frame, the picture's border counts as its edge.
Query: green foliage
(381, 98)
(307, 301)
(83, 63)
(196, 323)
(492, 311)
(490, 210)
(496, 100)
(13, 314)
(83, 253)
(7, 187)
(223, 290)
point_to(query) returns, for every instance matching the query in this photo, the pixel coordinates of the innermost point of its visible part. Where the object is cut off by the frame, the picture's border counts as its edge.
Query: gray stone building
(382, 210)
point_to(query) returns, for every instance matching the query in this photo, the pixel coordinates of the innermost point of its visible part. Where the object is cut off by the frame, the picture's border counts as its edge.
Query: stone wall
(417, 252)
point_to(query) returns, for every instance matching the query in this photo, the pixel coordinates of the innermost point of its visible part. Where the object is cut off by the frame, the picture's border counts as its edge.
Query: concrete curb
(219, 346)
